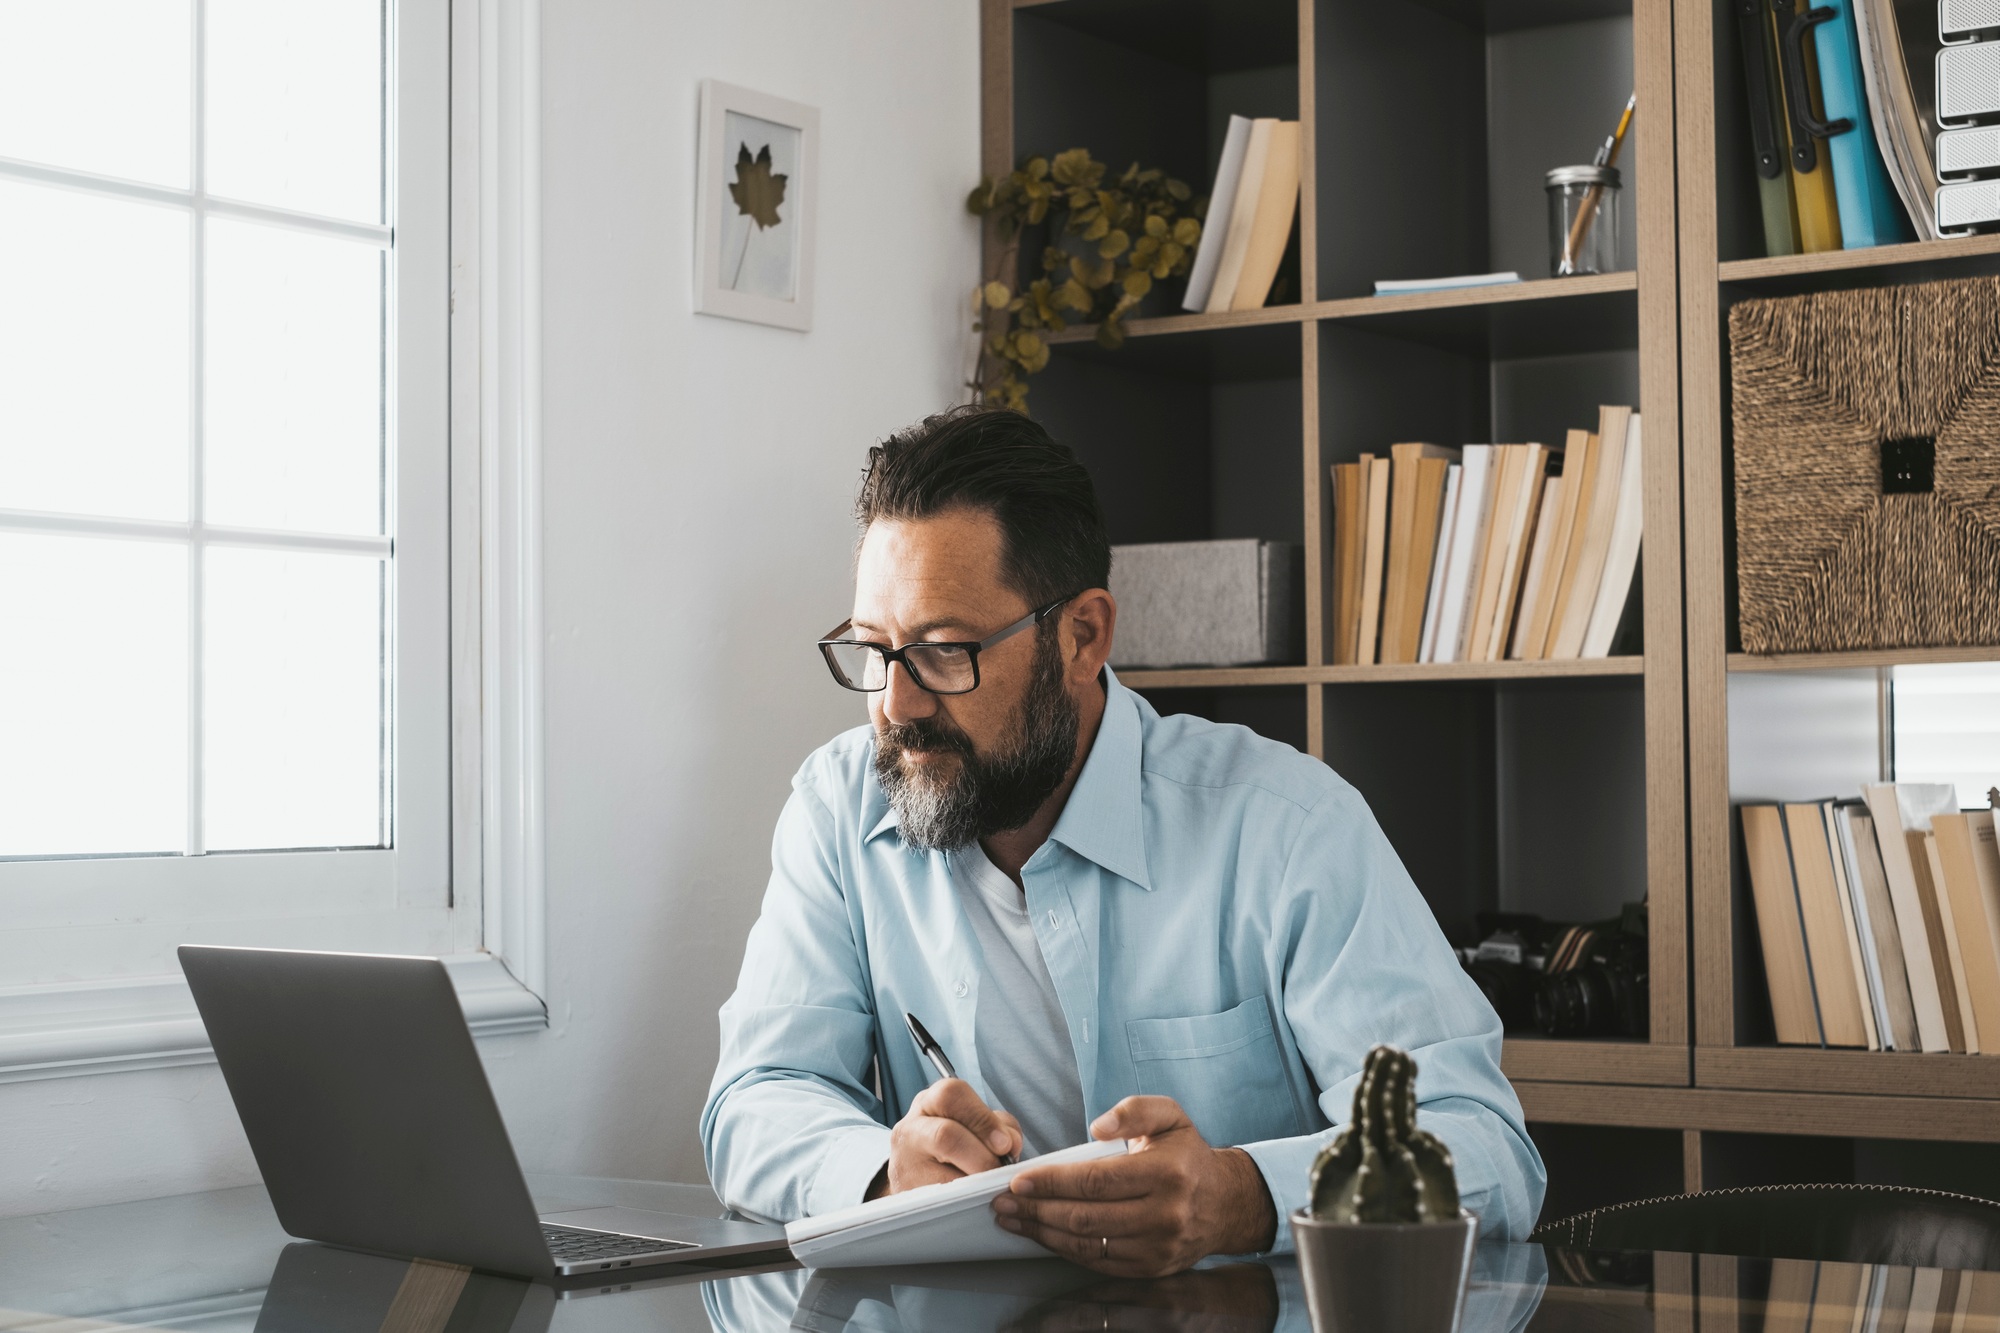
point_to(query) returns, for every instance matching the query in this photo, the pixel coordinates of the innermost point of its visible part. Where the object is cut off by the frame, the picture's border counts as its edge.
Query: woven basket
(1843, 400)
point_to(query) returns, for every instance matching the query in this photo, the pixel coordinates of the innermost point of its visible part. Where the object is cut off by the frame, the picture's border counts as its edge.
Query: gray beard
(986, 795)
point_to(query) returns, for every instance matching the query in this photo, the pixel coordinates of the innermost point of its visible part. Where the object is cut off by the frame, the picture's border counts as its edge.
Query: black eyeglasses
(941, 668)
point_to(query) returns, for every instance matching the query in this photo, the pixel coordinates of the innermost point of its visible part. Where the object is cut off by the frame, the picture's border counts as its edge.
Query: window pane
(93, 696)
(93, 354)
(294, 379)
(1948, 727)
(295, 105)
(292, 695)
(100, 87)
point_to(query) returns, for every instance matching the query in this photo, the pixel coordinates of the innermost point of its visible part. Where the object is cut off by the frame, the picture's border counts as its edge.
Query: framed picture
(759, 169)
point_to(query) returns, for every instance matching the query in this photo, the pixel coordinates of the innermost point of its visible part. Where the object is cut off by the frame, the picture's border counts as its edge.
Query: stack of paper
(932, 1224)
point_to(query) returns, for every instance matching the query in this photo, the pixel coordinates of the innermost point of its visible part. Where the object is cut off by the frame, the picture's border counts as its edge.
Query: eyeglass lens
(944, 668)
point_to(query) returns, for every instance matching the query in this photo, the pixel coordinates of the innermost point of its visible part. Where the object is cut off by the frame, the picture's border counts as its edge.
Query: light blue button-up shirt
(1224, 922)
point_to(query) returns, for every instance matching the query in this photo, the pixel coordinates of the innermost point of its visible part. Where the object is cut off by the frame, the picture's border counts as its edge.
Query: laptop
(371, 1119)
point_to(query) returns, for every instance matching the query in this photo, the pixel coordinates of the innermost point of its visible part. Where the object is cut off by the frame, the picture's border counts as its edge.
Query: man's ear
(1088, 624)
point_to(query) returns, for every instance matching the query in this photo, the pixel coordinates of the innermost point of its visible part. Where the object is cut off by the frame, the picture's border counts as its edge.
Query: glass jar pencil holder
(1583, 220)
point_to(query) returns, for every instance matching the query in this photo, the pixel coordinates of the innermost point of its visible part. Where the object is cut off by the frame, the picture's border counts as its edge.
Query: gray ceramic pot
(1363, 1277)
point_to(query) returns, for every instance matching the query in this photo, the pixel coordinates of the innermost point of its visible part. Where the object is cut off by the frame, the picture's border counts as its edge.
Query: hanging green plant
(1108, 243)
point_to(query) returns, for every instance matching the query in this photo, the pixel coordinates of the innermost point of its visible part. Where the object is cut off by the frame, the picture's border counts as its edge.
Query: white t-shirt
(1024, 1047)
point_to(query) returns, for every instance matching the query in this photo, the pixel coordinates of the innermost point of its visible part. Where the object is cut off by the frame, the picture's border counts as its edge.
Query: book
(1895, 807)
(1416, 482)
(1374, 541)
(1882, 943)
(949, 1222)
(1475, 505)
(1350, 510)
(1780, 933)
(1899, 115)
(1851, 919)
(1215, 228)
(1930, 879)
(1972, 886)
(1520, 533)
(1404, 286)
(1870, 212)
(1839, 1294)
(1812, 178)
(1486, 592)
(1788, 1303)
(1242, 216)
(1622, 555)
(1271, 226)
(1538, 564)
(1579, 462)
(1767, 134)
(1833, 983)
(1591, 541)
(1434, 596)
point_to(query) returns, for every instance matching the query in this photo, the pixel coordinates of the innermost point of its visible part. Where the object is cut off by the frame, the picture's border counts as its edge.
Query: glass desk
(219, 1263)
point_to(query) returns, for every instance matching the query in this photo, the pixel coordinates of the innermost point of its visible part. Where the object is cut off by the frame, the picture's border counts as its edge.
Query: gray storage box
(1228, 603)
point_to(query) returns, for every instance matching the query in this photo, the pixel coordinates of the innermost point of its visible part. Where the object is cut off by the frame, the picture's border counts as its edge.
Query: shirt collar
(1103, 821)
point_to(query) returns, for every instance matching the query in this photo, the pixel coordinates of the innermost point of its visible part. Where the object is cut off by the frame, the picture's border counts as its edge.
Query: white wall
(698, 479)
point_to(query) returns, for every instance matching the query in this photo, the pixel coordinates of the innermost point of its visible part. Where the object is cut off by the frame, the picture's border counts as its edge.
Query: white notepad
(932, 1224)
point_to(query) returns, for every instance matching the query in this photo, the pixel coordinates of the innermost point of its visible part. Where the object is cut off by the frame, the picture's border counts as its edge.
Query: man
(1113, 923)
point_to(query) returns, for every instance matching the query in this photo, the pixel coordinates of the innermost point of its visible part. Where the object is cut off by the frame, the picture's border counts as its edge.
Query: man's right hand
(948, 1133)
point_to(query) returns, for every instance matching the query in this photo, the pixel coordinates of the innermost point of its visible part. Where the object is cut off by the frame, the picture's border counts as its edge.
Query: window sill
(102, 1027)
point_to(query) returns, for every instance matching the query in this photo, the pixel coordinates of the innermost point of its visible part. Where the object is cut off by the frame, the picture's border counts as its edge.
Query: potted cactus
(1384, 1243)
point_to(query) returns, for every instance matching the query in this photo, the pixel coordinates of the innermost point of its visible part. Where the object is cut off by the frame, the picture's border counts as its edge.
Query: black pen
(927, 1046)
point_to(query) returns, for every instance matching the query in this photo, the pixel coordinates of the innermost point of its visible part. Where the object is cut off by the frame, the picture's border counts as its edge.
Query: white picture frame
(754, 244)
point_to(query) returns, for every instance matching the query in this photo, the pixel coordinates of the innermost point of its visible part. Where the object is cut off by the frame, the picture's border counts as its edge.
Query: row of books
(1806, 1296)
(1879, 919)
(1249, 223)
(1492, 551)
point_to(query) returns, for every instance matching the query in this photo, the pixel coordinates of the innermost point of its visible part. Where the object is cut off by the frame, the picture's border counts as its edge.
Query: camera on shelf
(1564, 980)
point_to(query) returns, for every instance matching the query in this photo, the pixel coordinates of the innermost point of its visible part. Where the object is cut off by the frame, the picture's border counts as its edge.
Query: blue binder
(1871, 213)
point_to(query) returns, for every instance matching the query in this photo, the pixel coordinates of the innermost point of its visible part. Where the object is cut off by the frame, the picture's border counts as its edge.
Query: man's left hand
(1169, 1202)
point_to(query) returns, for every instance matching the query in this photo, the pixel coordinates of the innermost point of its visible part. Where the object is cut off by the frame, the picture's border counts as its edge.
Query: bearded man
(1114, 923)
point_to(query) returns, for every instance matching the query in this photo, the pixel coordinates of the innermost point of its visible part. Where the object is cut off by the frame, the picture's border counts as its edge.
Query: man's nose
(903, 700)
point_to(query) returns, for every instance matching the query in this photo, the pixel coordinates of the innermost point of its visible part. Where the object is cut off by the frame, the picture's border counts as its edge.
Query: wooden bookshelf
(1742, 1084)
(1209, 426)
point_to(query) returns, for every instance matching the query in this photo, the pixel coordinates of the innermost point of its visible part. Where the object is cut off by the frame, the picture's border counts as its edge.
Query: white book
(1402, 286)
(1623, 557)
(1876, 988)
(1900, 808)
(1851, 919)
(950, 1222)
(1221, 202)
(1468, 533)
(1242, 215)
(1427, 644)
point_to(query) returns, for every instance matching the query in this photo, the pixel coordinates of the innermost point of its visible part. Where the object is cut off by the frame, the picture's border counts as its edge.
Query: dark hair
(997, 460)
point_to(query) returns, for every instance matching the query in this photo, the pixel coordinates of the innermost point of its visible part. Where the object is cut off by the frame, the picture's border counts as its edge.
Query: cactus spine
(1381, 1167)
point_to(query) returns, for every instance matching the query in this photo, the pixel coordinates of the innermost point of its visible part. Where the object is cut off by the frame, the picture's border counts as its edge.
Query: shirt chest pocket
(1225, 1070)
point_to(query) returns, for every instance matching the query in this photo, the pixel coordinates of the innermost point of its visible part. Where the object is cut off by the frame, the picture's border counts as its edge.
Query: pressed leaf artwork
(758, 229)
(756, 191)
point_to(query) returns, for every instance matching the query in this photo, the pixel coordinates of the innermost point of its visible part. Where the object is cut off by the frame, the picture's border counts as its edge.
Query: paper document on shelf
(950, 1222)
(1403, 286)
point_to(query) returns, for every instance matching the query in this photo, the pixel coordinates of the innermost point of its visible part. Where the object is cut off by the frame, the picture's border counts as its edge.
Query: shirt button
(961, 990)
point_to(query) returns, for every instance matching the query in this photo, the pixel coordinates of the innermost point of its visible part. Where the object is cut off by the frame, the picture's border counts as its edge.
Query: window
(1947, 727)
(197, 427)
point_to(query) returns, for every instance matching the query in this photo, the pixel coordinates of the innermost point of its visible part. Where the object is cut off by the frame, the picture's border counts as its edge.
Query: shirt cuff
(847, 1169)
(1286, 1165)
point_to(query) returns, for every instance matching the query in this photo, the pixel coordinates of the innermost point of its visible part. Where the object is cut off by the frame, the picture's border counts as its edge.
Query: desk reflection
(1262, 1296)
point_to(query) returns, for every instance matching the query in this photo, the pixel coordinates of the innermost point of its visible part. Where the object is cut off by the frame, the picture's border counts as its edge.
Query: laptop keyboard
(574, 1245)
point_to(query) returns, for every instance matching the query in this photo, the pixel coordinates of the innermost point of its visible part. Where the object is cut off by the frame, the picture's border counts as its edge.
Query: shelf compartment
(1879, 1073)
(1923, 258)
(1400, 674)
(1860, 657)
(1549, 1060)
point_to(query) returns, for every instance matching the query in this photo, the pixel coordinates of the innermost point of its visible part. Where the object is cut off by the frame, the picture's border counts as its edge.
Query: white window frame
(495, 871)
